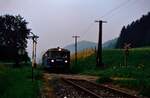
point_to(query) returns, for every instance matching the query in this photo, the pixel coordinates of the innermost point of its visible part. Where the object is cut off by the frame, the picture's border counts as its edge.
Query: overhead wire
(116, 8)
(106, 14)
(111, 15)
(87, 29)
(121, 5)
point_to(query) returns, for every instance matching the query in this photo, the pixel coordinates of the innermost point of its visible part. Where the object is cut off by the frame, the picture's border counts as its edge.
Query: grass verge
(17, 83)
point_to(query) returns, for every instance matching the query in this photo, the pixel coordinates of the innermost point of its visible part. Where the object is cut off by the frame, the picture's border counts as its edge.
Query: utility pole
(34, 39)
(99, 51)
(75, 37)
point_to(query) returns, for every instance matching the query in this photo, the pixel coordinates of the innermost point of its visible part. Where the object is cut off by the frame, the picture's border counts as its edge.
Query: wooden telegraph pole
(99, 51)
(75, 37)
(34, 43)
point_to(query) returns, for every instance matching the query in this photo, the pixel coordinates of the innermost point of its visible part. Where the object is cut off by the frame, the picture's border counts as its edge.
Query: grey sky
(55, 21)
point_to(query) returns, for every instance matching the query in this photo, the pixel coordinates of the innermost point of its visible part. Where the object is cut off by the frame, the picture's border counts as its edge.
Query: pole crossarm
(100, 21)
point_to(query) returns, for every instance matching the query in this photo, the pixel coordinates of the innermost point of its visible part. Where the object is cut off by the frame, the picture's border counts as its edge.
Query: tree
(137, 33)
(13, 37)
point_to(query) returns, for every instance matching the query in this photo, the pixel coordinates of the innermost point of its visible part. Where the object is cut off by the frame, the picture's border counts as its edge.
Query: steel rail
(82, 88)
(119, 92)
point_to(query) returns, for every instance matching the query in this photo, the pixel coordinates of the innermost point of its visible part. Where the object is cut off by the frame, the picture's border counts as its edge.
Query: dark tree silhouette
(13, 38)
(137, 33)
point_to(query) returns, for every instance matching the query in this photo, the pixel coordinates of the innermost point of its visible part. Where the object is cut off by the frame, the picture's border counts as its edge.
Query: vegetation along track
(97, 90)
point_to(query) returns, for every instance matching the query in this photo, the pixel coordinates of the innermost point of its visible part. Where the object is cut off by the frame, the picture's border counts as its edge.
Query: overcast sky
(56, 21)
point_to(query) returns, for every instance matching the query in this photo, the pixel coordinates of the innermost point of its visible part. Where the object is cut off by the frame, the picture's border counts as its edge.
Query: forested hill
(137, 33)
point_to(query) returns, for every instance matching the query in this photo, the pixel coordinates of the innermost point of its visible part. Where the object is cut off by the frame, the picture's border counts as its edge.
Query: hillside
(81, 46)
(115, 57)
(137, 33)
(110, 44)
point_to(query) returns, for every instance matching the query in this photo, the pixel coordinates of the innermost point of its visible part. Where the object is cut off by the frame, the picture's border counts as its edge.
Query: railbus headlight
(66, 61)
(59, 49)
(52, 61)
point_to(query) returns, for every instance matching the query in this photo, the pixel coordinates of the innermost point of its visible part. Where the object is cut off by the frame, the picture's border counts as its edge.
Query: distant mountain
(81, 46)
(110, 44)
(88, 44)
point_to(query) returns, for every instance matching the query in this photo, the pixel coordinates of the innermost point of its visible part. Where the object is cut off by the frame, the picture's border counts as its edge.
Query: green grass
(17, 83)
(138, 60)
(84, 65)
(135, 75)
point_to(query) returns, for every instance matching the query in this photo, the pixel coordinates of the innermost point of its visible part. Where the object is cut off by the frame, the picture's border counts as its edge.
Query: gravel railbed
(64, 90)
(106, 93)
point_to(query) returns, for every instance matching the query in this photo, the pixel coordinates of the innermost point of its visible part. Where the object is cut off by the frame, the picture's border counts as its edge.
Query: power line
(110, 14)
(87, 29)
(115, 8)
(107, 13)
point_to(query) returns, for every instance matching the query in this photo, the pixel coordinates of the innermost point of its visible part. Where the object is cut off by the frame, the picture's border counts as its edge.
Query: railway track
(94, 90)
(65, 90)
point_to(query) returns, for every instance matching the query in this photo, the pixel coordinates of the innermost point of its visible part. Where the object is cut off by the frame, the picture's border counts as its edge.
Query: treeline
(13, 38)
(137, 33)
